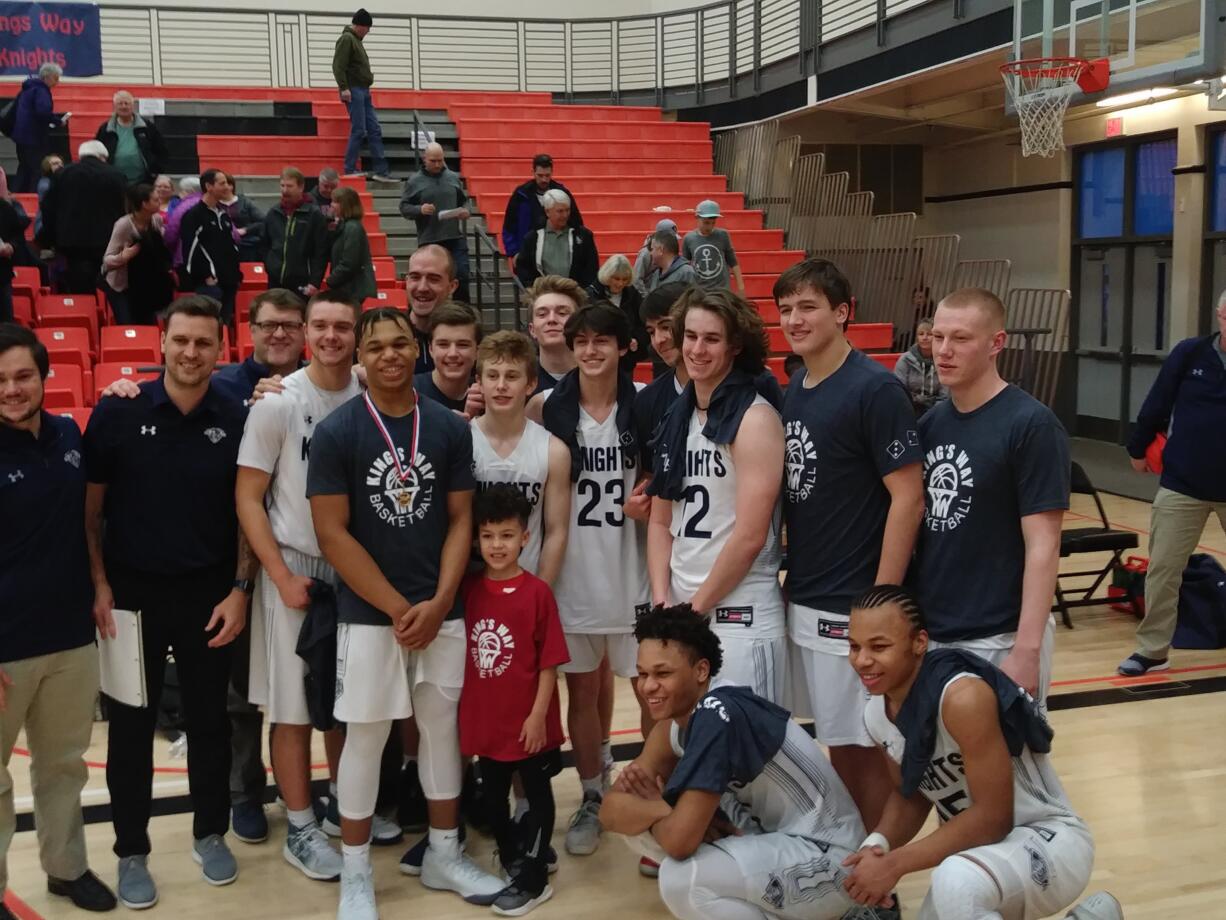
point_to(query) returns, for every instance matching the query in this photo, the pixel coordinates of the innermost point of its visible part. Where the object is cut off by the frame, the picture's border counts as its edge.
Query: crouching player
(745, 813)
(962, 736)
(509, 714)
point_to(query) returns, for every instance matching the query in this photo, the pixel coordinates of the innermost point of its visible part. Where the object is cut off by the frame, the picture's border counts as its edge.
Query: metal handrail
(480, 277)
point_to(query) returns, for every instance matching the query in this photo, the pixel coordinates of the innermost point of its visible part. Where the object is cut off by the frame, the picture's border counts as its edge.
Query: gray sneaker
(136, 889)
(1101, 905)
(583, 836)
(1137, 664)
(215, 858)
(308, 850)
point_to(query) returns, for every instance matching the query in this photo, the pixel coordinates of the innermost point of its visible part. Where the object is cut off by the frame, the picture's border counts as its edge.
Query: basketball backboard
(1146, 41)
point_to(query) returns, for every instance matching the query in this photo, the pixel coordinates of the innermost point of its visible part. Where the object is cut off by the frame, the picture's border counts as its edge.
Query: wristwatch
(246, 585)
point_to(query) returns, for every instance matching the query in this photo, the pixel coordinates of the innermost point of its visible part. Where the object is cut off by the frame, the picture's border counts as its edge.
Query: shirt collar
(18, 437)
(156, 391)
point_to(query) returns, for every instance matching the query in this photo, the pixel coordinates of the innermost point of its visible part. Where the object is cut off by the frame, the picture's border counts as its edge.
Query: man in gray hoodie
(430, 192)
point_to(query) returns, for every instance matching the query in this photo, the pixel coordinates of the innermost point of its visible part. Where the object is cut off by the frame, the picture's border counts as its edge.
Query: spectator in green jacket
(351, 67)
(353, 273)
(295, 240)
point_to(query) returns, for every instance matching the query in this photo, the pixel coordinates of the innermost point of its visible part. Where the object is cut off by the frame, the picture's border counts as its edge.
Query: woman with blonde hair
(614, 283)
(353, 273)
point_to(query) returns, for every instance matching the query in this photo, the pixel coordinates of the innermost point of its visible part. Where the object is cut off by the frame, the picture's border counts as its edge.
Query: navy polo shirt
(170, 479)
(238, 380)
(47, 595)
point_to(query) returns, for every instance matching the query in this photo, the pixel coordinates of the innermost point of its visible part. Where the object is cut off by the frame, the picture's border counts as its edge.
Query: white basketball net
(1040, 92)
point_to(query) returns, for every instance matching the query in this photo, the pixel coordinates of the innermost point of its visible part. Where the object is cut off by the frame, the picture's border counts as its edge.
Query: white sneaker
(357, 896)
(583, 835)
(385, 832)
(460, 874)
(1101, 905)
(308, 850)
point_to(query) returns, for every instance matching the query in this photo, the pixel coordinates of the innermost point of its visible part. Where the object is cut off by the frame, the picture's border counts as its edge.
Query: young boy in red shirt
(509, 714)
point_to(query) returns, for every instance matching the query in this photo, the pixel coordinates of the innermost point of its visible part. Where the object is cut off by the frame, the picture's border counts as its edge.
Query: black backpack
(1202, 605)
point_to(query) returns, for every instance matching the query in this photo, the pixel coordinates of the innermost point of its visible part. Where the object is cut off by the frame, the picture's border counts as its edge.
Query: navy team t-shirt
(842, 437)
(983, 472)
(402, 525)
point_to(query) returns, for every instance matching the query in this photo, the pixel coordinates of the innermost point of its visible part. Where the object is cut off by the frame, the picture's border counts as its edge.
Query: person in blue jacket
(33, 123)
(1187, 403)
(526, 210)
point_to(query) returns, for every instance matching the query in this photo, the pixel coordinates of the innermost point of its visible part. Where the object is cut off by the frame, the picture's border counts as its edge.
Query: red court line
(19, 907)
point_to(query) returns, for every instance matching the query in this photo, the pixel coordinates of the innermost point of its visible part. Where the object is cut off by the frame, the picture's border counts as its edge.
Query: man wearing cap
(351, 67)
(709, 250)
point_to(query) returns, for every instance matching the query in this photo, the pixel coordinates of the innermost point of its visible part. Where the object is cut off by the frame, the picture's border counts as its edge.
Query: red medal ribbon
(402, 472)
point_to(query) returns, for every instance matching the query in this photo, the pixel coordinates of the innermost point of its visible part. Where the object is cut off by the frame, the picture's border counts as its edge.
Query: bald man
(429, 193)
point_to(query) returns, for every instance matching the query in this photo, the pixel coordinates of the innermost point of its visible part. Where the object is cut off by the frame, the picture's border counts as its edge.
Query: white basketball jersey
(1037, 792)
(702, 522)
(277, 440)
(604, 572)
(526, 468)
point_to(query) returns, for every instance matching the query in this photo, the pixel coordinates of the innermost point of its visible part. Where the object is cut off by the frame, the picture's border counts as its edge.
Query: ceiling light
(1144, 95)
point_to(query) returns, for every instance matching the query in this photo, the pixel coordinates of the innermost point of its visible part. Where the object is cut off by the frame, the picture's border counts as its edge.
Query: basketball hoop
(1041, 89)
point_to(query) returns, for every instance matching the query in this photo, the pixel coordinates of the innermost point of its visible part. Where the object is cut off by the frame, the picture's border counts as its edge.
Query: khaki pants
(52, 697)
(1176, 525)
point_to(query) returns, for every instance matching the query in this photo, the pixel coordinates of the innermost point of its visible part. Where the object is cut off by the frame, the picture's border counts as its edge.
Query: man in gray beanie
(351, 67)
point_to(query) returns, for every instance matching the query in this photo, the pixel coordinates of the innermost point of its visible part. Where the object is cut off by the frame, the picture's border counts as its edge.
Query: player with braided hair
(962, 736)
(740, 806)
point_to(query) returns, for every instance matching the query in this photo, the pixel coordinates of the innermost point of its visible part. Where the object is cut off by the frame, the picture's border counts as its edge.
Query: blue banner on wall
(68, 34)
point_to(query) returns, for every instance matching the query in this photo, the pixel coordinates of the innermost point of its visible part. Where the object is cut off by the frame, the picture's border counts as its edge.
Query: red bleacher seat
(254, 276)
(887, 360)
(27, 280)
(395, 297)
(65, 387)
(245, 344)
(140, 344)
(106, 374)
(775, 366)
(385, 271)
(643, 372)
(67, 345)
(69, 310)
(79, 414)
(871, 336)
(23, 310)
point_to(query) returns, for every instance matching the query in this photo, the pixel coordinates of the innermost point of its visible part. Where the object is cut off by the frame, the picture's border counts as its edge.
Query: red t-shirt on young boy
(513, 634)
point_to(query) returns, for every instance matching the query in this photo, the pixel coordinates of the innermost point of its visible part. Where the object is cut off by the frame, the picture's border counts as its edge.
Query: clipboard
(122, 660)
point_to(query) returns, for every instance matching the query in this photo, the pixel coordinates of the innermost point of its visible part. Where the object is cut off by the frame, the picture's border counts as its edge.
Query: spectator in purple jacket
(33, 124)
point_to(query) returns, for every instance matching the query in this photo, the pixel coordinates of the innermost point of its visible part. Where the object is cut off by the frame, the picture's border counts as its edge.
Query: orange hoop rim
(1069, 68)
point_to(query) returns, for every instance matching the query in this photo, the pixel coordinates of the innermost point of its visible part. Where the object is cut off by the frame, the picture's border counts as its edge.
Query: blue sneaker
(215, 860)
(248, 821)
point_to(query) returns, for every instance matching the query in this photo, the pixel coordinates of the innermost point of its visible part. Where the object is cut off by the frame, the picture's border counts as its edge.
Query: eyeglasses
(270, 326)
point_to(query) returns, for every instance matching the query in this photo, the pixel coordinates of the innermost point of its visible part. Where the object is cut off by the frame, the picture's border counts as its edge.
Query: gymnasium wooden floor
(1144, 765)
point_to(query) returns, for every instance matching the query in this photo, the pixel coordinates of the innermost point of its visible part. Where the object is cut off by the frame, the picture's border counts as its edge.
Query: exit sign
(1115, 126)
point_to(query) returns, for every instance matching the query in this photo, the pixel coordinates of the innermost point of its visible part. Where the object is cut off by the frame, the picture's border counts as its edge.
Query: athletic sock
(594, 785)
(445, 842)
(606, 751)
(357, 859)
(301, 819)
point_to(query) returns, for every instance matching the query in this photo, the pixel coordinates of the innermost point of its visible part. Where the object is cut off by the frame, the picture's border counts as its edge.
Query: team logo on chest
(214, 435)
(73, 458)
(491, 646)
(799, 462)
(950, 482)
(401, 501)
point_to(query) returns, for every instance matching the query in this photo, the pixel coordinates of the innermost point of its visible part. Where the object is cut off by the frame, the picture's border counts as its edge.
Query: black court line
(627, 751)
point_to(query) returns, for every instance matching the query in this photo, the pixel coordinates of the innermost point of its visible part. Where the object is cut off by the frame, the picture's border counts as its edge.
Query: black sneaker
(514, 901)
(1137, 664)
(414, 817)
(248, 821)
(86, 892)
